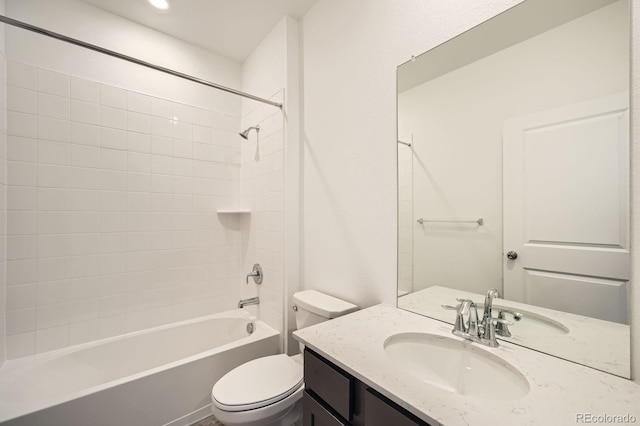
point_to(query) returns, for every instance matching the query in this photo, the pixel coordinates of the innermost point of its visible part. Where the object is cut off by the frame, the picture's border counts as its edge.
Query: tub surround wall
(112, 199)
(116, 173)
(271, 71)
(261, 172)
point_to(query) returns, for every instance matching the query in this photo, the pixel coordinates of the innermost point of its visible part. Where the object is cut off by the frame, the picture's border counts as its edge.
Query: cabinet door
(314, 414)
(379, 411)
(329, 383)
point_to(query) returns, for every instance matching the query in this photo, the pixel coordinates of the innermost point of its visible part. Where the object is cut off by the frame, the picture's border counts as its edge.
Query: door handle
(512, 255)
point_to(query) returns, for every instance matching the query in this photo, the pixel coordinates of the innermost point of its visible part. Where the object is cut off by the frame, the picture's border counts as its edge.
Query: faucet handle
(502, 328)
(450, 308)
(517, 316)
(256, 273)
(489, 337)
(460, 327)
(500, 321)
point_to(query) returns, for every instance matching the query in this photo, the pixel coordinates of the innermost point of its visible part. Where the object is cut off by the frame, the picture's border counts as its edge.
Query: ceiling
(232, 28)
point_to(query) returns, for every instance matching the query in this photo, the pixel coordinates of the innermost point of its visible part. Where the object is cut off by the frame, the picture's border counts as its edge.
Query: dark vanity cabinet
(332, 397)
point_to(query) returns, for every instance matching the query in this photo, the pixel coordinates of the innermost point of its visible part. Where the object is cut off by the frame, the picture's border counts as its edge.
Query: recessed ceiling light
(160, 4)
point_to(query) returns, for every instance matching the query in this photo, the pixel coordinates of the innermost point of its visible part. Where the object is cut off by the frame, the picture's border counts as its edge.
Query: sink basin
(456, 366)
(531, 326)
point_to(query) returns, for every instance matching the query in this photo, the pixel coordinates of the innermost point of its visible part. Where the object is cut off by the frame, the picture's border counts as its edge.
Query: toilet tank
(314, 307)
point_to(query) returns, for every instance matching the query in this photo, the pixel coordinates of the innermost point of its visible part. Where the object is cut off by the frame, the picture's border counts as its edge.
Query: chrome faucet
(483, 333)
(251, 301)
(488, 305)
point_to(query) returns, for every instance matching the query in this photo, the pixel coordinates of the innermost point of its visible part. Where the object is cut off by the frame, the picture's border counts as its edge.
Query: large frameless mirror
(513, 174)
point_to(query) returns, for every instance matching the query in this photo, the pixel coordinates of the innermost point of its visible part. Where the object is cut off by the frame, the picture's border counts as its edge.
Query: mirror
(513, 174)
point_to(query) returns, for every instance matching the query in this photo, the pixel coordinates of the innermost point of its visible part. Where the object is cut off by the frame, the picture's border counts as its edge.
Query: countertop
(599, 344)
(560, 390)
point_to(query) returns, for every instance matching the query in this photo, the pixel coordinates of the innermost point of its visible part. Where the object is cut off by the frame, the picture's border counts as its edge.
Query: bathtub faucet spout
(252, 301)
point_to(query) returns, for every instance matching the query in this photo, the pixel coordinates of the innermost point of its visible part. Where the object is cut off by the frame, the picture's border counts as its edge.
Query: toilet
(268, 391)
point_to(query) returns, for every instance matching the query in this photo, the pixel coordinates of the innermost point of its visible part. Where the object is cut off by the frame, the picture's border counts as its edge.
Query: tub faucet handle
(256, 273)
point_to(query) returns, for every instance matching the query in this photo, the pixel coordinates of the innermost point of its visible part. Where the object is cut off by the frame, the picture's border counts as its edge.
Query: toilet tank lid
(323, 304)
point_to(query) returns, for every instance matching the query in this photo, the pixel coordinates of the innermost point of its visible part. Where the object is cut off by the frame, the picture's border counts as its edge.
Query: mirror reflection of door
(566, 208)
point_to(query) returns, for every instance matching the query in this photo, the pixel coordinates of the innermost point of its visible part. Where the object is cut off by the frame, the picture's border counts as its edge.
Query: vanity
(332, 396)
(351, 377)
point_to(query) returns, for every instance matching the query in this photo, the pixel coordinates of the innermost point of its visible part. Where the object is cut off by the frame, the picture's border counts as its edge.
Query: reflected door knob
(511, 255)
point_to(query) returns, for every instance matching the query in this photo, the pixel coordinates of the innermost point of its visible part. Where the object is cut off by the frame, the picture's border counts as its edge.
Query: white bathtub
(160, 376)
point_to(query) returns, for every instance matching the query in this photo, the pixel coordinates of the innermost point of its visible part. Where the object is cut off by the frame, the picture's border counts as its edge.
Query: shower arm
(61, 37)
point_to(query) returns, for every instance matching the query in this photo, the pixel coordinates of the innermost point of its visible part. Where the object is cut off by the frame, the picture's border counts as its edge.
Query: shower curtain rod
(131, 59)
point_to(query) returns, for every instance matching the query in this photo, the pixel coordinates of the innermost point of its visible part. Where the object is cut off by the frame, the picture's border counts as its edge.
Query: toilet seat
(257, 383)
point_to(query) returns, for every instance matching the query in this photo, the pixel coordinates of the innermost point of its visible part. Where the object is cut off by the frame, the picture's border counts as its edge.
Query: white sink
(456, 366)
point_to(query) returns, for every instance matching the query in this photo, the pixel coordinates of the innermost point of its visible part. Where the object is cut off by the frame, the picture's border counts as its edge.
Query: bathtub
(155, 377)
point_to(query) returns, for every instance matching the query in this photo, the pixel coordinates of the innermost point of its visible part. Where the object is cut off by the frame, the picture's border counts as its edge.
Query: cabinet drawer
(380, 411)
(314, 414)
(331, 384)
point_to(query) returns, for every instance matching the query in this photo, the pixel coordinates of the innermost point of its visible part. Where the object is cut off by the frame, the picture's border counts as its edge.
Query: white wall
(3, 186)
(457, 121)
(115, 176)
(271, 72)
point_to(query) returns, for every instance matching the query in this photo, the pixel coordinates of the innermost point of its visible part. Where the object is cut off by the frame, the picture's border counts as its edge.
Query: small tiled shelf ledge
(233, 211)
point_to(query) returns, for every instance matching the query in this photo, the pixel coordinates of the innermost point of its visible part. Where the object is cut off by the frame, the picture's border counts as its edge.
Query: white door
(566, 208)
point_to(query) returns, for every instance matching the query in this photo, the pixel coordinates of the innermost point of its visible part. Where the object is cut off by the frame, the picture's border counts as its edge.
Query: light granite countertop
(599, 344)
(559, 390)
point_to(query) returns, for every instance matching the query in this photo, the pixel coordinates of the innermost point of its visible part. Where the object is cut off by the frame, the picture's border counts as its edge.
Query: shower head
(245, 134)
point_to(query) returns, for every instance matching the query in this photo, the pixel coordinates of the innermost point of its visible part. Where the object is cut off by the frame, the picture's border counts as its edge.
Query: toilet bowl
(265, 391)
(268, 391)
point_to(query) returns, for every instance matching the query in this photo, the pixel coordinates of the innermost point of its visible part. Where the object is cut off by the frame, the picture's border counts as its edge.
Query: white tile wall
(112, 198)
(262, 186)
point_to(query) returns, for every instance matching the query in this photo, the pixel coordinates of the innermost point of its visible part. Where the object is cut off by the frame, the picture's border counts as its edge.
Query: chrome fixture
(478, 221)
(502, 328)
(245, 134)
(256, 273)
(251, 328)
(468, 327)
(512, 255)
(127, 58)
(488, 304)
(251, 301)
